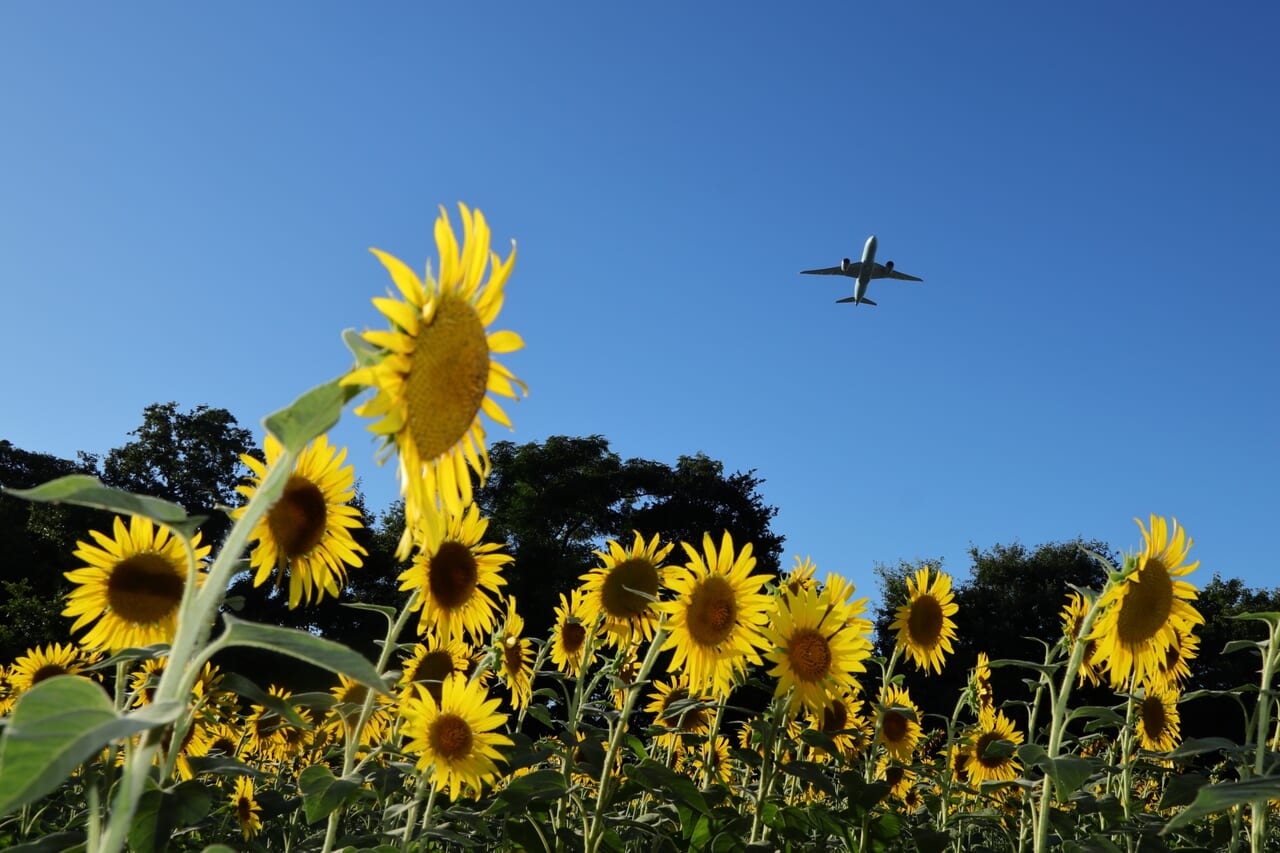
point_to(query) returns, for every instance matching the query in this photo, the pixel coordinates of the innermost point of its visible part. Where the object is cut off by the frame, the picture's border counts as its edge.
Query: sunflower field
(682, 701)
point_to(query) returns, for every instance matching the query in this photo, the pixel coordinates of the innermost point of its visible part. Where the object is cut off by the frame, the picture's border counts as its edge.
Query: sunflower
(800, 577)
(432, 662)
(1072, 618)
(349, 698)
(246, 808)
(901, 779)
(678, 712)
(1158, 720)
(44, 662)
(454, 573)
(7, 696)
(143, 682)
(841, 720)
(814, 651)
(516, 667)
(924, 625)
(571, 639)
(716, 618)
(1143, 612)
(981, 682)
(624, 590)
(132, 584)
(455, 739)
(307, 532)
(1174, 669)
(997, 764)
(436, 372)
(710, 761)
(899, 723)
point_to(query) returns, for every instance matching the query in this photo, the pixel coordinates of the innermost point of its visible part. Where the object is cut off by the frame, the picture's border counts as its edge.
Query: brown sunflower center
(572, 636)
(447, 378)
(297, 519)
(924, 625)
(712, 612)
(513, 655)
(894, 727)
(431, 672)
(621, 592)
(1154, 719)
(453, 575)
(893, 774)
(691, 720)
(224, 745)
(809, 654)
(244, 810)
(835, 717)
(980, 750)
(450, 737)
(144, 588)
(1147, 604)
(49, 670)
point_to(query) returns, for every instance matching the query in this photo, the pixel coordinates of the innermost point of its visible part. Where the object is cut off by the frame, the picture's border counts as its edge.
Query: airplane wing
(851, 270)
(903, 276)
(882, 271)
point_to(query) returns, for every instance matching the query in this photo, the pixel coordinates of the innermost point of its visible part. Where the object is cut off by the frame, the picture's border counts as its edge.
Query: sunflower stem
(1258, 829)
(766, 769)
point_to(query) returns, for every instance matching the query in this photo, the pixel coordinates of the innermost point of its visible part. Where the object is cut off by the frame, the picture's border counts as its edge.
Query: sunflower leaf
(312, 414)
(87, 490)
(241, 686)
(362, 351)
(322, 792)
(1221, 797)
(325, 654)
(56, 726)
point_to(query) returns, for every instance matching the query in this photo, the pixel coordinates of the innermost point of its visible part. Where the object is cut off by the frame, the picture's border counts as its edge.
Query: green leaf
(656, 775)
(1200, 746)
(160, 813)
(312, 414)
(543, 784)
(86, 490)
(812, 773)
(241, 686)
(218, 848)
(58, 842)
(1181, 790)
(322, 792)
(56, 726)
(362, 351)
(326, 654)
(1219, 798)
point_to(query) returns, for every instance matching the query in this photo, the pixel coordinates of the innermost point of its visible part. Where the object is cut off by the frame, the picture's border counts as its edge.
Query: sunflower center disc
(297, 520)
(144, 589)
(450, 737)
(835, 717)
(1147, 604)
(244, 810)
(713, 611)
(573, 635)
(980, 750)
(431, 672)
(925, 623)
(809, 654)
(512, 655)
(894, 727)
(453, 575)
(621, 588)
(49, 670)
(447, 379)
(1153, 717)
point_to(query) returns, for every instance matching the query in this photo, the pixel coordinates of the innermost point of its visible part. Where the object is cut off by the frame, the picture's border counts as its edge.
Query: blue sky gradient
(1090, 193)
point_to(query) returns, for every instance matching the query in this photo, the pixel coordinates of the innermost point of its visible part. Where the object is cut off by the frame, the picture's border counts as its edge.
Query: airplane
(863, 271)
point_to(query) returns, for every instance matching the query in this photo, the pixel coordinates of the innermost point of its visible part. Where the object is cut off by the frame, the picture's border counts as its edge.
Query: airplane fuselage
(868, 267)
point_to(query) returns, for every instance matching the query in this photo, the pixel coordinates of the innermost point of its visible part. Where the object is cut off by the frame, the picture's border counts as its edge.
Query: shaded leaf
(326, 654)
(1220, 797)
(87, 490)
(311, 415)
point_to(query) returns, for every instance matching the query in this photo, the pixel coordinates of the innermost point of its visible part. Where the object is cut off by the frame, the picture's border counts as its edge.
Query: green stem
(1258, 830)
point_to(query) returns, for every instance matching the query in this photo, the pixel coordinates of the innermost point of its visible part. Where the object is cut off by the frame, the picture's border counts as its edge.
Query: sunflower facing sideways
(716, 616)
(924, 625)
(454, 573)
(45, 662)
(1158, 720)
(436, 372)
(132, 584)
(515, 668)
(1143, 613)
(456, 740)
(572, 645)
(623, 591)
(245, 807)
(899, 724)
(817, 647)
(307, 532)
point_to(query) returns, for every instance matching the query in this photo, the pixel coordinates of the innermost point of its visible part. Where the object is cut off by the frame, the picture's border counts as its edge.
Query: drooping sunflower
(433, 661)
(246, 808)
(623, 590)
(516, 667)
(571, 637)
(456, 739)
(1159, 724)
(998, 764)
(1143, 612)
(437, 372)
(982, 684)
(306, 534)
(716, 616)
(454, 573)
(132, 584)
(44, 662)
(901, 779)
(899, 723)
(1173, 671)
(814, 651)
(924, 625)
(1073, 615)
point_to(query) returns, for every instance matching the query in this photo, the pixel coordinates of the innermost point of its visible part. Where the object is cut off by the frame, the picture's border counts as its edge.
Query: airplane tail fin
(865, 300)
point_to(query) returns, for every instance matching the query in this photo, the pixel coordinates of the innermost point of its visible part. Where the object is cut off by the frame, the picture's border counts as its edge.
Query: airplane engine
(889, 267)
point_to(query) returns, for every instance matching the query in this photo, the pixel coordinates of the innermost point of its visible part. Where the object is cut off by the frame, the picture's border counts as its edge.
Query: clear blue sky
(1090, 191)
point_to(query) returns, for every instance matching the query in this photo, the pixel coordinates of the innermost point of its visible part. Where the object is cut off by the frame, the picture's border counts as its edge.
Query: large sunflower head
(985, 761)
(678, 711)
(622, 591)
(456, 740)
(1158, 719)
(41, 663)
(717, 615)
(437, 373)
(307, 532)
(899, 723)
(132, 583)
(572, 646)
(816, 647)
(1143, 612)
(924, 625)
(454, 573)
